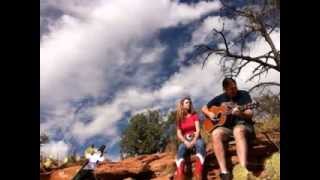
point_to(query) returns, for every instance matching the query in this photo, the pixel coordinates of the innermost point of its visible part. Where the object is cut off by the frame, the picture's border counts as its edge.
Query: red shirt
(187, 125)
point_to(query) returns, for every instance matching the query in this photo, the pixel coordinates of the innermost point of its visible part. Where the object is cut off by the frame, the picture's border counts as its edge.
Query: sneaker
(226, 176)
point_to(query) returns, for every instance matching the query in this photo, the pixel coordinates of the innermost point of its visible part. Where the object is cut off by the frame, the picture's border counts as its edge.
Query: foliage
(271, 170)
(171, 138)
(273, 124)
(241, 173)
(272, 167)
(144, 134)
(205, 136)
(269, 105)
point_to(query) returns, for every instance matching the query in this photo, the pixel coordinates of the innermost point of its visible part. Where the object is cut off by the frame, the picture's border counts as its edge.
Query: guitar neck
(245, 107)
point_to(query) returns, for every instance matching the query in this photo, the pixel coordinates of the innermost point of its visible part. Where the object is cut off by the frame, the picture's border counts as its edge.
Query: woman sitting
(188, 132)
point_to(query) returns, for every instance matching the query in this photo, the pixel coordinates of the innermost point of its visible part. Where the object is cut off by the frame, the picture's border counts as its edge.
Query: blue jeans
(200, 149)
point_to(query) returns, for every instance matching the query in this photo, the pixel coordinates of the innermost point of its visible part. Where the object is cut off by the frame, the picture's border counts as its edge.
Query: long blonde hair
(181, 113)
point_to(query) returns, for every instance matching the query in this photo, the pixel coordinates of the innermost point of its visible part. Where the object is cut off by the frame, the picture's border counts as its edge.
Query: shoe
(180, 171)
(198, 169)
(226, 176)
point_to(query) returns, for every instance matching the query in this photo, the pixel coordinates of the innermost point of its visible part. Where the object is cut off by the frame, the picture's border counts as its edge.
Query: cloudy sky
(104, 60)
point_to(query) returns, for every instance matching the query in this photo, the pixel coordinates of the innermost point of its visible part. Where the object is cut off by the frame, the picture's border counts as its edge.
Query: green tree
(144, 134)
(171, 141)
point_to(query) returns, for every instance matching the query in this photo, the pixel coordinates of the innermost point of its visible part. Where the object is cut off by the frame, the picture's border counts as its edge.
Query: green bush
(272, 124)
(241, 173)
(272, 166)
(150, 132)
(144, 134)
(171, 141)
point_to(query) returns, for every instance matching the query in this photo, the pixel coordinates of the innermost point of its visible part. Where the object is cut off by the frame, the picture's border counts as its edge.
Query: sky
(102, 61)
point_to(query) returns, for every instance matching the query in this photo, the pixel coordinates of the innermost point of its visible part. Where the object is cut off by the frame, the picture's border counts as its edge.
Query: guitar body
(209, 124)
(223, 113)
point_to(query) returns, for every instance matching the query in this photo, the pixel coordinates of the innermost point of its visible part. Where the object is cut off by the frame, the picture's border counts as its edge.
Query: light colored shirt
(94, 160)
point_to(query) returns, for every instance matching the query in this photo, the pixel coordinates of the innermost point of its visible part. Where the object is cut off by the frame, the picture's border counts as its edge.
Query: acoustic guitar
(223, 114)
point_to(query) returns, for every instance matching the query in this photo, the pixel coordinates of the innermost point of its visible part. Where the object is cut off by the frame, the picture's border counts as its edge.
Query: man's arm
(206, 111)
(248, 113)
(205, 108)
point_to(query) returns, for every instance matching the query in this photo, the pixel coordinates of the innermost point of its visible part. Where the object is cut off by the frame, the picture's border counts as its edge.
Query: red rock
(162, 166)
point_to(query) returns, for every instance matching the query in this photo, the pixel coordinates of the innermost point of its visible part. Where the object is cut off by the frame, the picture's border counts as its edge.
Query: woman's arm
(182, 139)
(197, 133)
(180, 136)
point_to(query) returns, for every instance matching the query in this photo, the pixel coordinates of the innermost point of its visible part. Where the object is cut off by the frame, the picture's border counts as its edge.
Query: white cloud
(113, 142)
(58, 150)
(204, 33)
(79, 8)
(191, 80)
(152, 56)
(89, 49)
(77, 57)
(88, 56)
(189, 12)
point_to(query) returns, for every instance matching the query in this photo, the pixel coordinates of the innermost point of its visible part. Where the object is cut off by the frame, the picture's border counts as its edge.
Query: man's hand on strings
(236, 112)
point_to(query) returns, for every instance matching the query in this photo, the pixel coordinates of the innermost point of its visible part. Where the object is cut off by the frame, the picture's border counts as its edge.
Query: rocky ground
(162, 166)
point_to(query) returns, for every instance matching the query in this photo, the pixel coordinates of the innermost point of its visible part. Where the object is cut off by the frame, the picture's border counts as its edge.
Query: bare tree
(262, 20)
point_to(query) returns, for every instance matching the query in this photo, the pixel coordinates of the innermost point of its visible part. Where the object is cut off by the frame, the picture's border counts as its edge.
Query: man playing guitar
(239, 124)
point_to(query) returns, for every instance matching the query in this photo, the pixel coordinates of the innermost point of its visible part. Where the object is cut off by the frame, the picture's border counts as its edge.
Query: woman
(188, 132)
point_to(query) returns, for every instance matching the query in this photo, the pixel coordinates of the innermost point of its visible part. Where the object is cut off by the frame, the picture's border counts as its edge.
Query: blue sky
(102, 61)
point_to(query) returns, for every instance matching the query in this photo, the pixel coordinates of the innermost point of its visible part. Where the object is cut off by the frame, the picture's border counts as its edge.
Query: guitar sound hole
(217, 117)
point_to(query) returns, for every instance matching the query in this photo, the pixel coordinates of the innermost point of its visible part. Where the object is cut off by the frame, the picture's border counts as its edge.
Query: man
(238, 126)
(93, 158)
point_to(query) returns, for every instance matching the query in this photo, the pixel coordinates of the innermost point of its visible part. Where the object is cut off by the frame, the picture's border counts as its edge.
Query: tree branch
(263, 70)
(224, 39)
(264, 84)
(241, 66)
(258, 27)
(257, 20)
(267, 37)
(248, 58)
